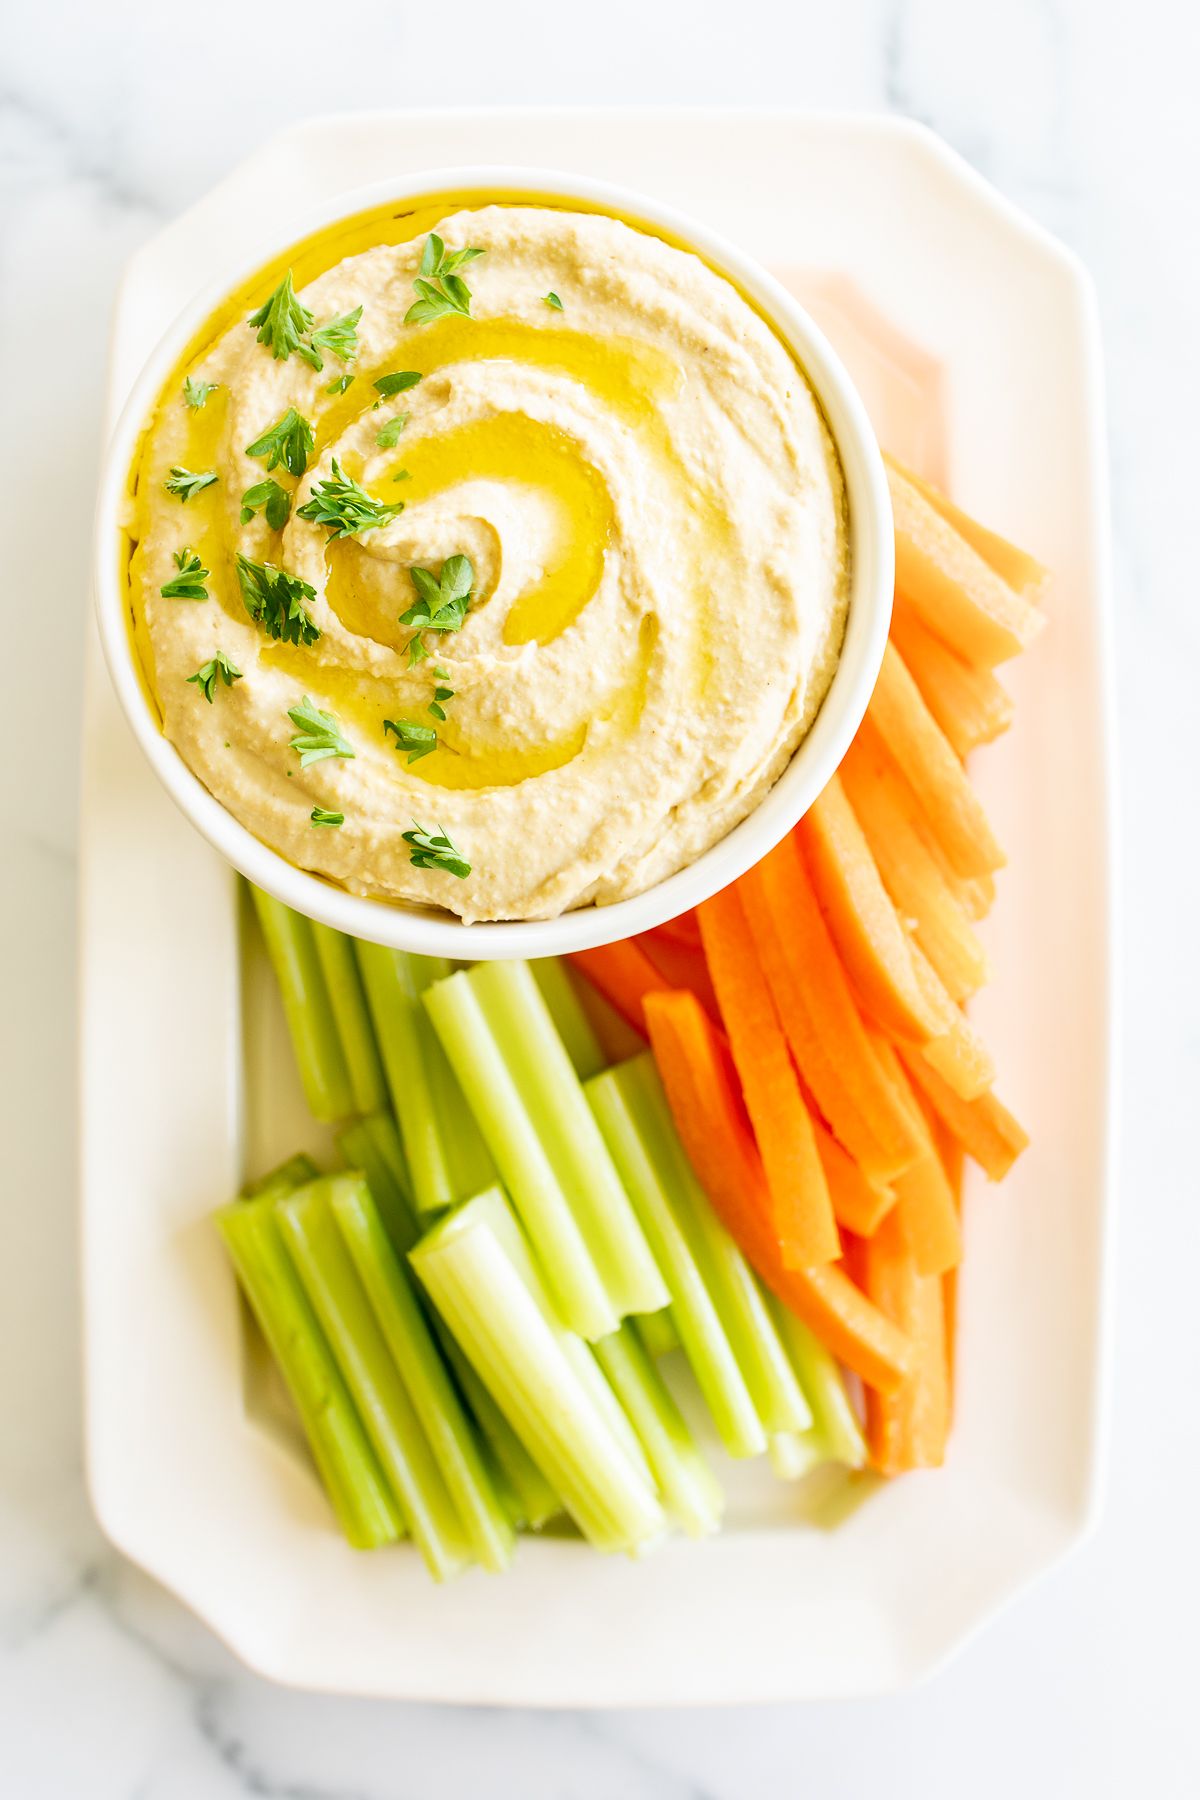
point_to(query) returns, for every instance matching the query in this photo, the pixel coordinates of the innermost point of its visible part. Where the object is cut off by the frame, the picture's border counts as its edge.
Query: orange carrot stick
(957, 594)
(907, 1429)
(864, 923)
(624, 974)
(949, 805)
(684, 928)
(925, 1202)
(800, 1213)
(967, 701)
(958, 1054)
(698, 1076)
(820, 1016)
(984, 1127)
(681, 965)
(910, 872)
(1023, 573)
(858, 1204)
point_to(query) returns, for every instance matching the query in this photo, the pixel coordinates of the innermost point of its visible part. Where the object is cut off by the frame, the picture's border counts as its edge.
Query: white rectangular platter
(973, 337)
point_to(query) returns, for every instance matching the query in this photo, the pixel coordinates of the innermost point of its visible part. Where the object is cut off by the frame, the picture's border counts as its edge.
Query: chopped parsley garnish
(189, 583)
(318, 733)
(402, 475)
(435, 851)
(282, 323)
(275, 601)
(319, 816)
(339, 336)
(439, 286)
(289, 441)
(346, 507)
(442, 601)
(195, 393)
(397, 383)
(437, 706)
(275, 501)
(418, 740)
(340, 385)
(206, 675)
(185, 484)
(388, 435)
(554, 301)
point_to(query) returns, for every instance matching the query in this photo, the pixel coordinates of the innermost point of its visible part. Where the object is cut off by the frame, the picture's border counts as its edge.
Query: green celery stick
(687, 1486)
(389, 1288)
(632, 1112)
(834, 1419)
(347, 1464)
(507, 1333)
(323, 1264)
(307, 1007)
(557, 987)
(795, 1453)
(658, 1333)
(373, 1145)
(523, 1030)
(525, 1168)
(344, 987)
(440, 1137)
(281, 1180)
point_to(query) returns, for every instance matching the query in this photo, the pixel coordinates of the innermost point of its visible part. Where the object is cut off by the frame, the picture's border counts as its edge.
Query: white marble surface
(111, 119)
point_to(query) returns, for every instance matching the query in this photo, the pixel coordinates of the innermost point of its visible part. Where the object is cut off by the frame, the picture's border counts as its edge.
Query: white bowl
(435, 933)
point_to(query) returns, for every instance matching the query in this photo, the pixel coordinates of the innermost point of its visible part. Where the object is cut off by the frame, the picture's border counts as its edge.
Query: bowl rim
(422, 930)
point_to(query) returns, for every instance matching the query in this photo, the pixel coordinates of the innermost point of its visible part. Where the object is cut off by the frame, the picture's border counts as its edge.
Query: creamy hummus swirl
(654, 513)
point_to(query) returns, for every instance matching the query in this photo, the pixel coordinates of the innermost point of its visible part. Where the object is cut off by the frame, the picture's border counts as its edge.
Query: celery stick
(373, 1145)
(834, 1418)
(347, 1464)
(324, 1266)
(366, 1145)
(343, 984)
(521, 1158)
(307, 1007)
(388, 1283)
(524, 1032)
(506, 1333)
(658, 1333)
(440, 1137)
(557, 987)
(281, 1180)
(796, 1453)
(689, 1490)
(632, 1112)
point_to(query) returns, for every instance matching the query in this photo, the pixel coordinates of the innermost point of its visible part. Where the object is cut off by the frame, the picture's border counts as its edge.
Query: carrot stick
(958, 1054)
(820, 1016)
(624, 974)
(921, 751)
(864, 923)
(910, 872)
(1023, 573)
(684, 928)
(800, 1210)
(701, 1087)
(967, 701)
(858, 1204)
(925, 1202)
(957, 594)
(681, 965)
(907, 1429)
(984, 1127)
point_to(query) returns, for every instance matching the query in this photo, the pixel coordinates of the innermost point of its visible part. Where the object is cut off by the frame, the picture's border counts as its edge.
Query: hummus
(652, 515)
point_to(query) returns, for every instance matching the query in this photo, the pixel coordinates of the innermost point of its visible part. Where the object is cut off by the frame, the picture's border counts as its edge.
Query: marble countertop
(111, 120)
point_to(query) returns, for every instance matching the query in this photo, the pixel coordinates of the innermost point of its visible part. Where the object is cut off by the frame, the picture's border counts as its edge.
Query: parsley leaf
(440, 289)
(189, 583)
(289, 441)
(318, 733)
(441, 694)
(319, 816)
(340, 385)
(418, 740)
(282, 322)
(388, 435)
(275, 501)
(346, 507)
(441, 603)
(553, 300)
(339, 336)
(397, 383)
(205, 677)
(185, 484)
(275, 601)
(435, 852)
(195, 393)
